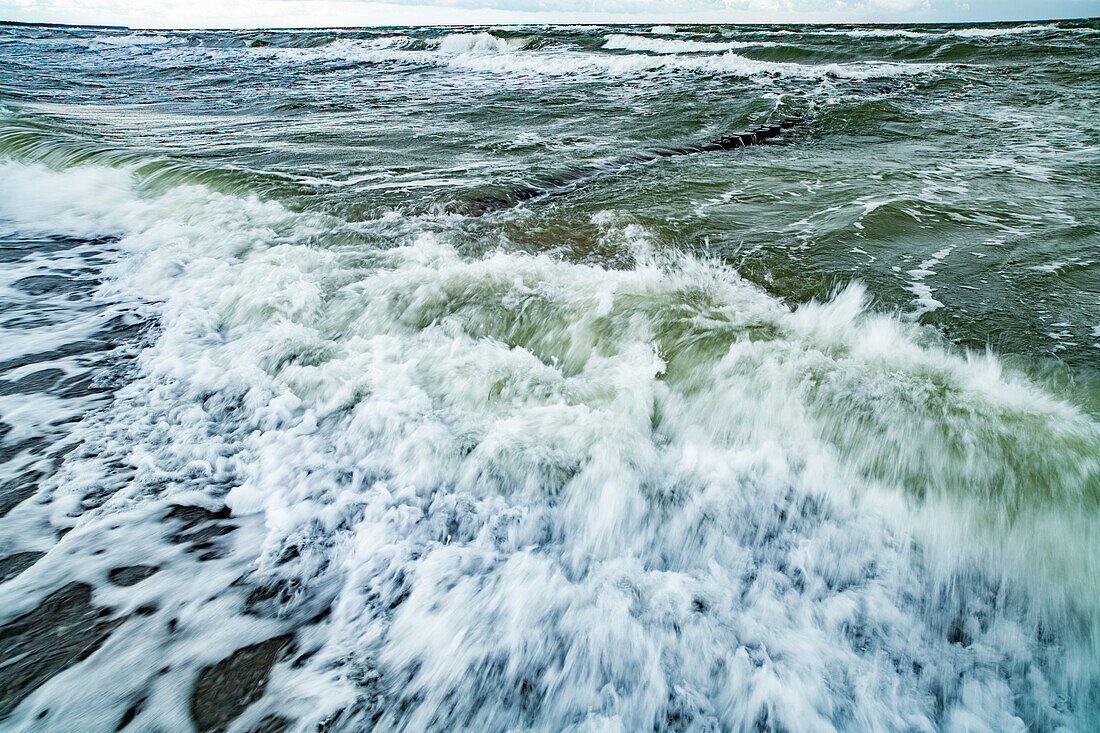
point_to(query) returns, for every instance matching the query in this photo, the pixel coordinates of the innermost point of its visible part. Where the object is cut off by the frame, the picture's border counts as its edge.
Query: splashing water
(291, 445)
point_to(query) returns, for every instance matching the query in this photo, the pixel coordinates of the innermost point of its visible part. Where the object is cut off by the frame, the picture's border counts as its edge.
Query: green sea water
(298, 433)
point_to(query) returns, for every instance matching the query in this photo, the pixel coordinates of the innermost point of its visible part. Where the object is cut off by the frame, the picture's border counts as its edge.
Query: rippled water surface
(381, 379)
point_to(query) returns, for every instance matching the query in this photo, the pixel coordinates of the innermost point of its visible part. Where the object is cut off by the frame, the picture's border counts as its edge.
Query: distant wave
(624, 42)
(477, 53)
(978, 32)
(464, 42)
(132, 40)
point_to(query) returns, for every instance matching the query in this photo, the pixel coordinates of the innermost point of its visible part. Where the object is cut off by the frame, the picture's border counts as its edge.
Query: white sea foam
(139, 39)
(994, 32)
(925, 302)
(465, 42)
(538, 494)
(620, 41)
(925, 34)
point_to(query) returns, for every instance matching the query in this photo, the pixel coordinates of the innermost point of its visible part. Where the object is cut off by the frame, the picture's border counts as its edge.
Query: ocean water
(312, 420)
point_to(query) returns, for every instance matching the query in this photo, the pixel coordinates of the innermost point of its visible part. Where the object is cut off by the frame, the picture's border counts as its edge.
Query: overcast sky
(314, 13)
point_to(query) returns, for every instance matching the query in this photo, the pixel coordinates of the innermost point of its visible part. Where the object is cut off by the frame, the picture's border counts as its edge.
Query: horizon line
(100, 26)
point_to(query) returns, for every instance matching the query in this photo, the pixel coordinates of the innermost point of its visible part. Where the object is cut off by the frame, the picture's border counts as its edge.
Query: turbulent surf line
(550, 186)
(410, 489)
(623, 42)
(488, 54)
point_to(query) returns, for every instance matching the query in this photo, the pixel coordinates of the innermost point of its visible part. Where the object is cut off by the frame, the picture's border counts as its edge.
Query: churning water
(299, 433)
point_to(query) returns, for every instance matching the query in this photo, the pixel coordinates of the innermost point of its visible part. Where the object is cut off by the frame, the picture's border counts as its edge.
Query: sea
(446, 379)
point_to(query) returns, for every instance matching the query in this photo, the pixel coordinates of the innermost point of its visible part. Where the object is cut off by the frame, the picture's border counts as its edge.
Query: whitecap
(619, 41)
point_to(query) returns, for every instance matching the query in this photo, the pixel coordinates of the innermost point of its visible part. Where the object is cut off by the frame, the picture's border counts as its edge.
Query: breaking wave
(623, 42)
(476, 54)
(513, 491)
